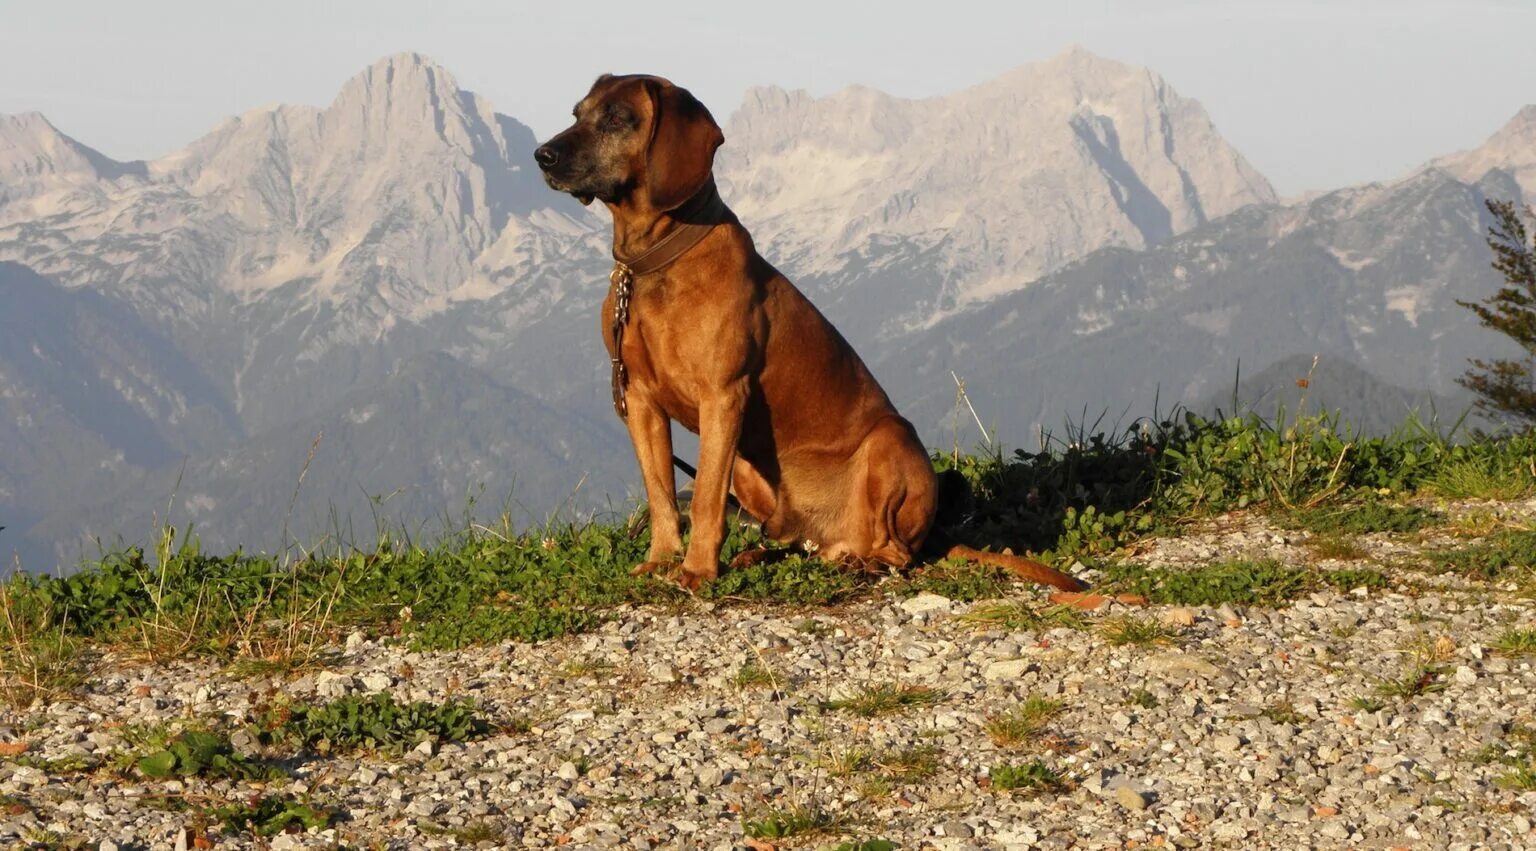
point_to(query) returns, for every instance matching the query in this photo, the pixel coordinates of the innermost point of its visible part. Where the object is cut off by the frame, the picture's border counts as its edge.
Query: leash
(697, 217)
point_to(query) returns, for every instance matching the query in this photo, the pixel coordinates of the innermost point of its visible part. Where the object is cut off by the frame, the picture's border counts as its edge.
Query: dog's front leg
(719, 431)
(651, 433)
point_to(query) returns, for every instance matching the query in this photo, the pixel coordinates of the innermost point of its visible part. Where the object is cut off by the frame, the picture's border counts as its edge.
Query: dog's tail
(955, 506)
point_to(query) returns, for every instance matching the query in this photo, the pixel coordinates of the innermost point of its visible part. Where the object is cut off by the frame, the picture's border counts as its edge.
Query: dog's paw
(691, 581)
(750, 558)
(653, 568)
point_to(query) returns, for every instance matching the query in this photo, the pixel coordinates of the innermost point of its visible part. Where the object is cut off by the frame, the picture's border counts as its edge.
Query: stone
(926, 604)
(1131, 799)
(956, 829)
(1227, 744)
(1007, 669)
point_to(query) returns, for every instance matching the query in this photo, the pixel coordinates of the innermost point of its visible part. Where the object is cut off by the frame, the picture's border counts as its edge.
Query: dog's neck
(636, 231)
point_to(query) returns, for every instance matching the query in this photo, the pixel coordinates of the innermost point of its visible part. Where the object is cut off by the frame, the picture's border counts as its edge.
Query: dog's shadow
(1074, 499)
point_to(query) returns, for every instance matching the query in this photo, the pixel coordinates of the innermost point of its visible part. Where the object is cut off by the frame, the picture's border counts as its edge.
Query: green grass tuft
(1494, 558)
(885, 699)
(1244, 582)
(1142, 698)
(1516, 642)
(1030, 779)
(1282, 712)
(1023, 722)
(1137, 631)
(1358, 519)
(791, 822)
(1349, 579)
(1018, 615)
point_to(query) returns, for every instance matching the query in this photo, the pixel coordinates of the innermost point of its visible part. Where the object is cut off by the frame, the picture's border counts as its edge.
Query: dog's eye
(616, 121)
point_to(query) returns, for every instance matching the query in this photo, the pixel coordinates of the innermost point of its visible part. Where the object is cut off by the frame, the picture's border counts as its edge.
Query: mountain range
(315, 317)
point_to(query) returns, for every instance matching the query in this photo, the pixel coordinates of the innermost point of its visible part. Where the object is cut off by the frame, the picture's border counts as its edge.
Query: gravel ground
(1237, 733)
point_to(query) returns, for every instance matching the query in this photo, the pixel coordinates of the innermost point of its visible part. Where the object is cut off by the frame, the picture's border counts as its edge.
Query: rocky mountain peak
(1512, 148)
(37, 159)
(1110, 150)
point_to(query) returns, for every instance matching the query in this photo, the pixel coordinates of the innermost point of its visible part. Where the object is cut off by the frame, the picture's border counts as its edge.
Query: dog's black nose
(546, 156)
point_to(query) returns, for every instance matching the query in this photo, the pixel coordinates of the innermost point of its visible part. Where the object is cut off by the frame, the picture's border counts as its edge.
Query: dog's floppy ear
(684, 137)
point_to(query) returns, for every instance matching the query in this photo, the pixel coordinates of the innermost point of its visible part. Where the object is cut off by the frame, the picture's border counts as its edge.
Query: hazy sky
(1315, 94)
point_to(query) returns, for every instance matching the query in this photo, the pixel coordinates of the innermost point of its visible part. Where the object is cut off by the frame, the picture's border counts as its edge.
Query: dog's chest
(664, 354)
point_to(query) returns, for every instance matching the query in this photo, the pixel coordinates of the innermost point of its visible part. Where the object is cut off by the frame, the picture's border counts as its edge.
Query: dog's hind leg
(759, 500)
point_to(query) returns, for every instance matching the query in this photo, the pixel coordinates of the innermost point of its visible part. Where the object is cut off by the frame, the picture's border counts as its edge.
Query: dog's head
(637, 140)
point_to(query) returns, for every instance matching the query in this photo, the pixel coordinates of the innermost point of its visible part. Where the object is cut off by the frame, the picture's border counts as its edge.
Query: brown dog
(702, 330)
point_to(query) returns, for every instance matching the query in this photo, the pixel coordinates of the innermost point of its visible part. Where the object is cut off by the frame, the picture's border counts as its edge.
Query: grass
(1141, 698)
(39, 660)
(1418, 678)
(960, 581)
(1247, 582)
(1085, 493)
(1022, 723)
(756, 675)
(1029, 779)
(1141, 632)
(1365, 703)
(846, 762)
(786, 823)
(1265, 583)
(1336, 548)
(1018, 615)
(885, 699)
(1516, 642)
(1518, 754)
(1349, 579)
(1282, 712)
(1496, 557)
(1358, 518)
(863, 845)
(1496, 476)
(907, 765)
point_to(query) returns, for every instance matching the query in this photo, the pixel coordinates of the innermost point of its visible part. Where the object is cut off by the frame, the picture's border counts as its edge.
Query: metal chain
(623, 279)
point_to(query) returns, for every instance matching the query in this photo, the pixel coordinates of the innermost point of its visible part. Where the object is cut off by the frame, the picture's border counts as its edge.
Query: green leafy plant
(269, 815)
(200, 753)
(1030, 778)
(372, 722)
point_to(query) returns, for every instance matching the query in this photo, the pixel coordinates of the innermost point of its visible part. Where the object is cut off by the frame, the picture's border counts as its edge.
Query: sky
(1316, 95)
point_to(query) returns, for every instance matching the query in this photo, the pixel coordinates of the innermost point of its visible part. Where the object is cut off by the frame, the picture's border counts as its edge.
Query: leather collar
(696, 218)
